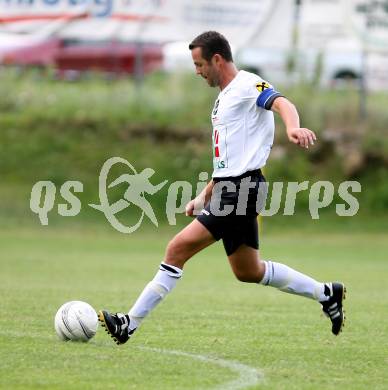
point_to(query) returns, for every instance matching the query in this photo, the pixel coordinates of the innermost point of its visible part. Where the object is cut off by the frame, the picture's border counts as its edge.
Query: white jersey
(243, 126)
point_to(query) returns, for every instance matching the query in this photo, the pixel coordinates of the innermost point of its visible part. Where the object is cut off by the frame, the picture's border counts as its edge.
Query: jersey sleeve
(266, 94)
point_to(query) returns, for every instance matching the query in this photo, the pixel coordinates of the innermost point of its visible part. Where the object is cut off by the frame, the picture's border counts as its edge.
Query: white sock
(163, 282)
(288, 280)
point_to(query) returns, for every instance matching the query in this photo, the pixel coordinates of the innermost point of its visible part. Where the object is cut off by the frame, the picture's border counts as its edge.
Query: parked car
(34, 48)
(340, 63)
(77, 56)
(38, 54)
(111, 57)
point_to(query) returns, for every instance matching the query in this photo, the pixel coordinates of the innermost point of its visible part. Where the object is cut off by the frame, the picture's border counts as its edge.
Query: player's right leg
(181, 248)
(247, 266)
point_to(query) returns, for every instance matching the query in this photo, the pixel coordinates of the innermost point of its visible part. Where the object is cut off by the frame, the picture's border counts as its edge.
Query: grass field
(208, 326)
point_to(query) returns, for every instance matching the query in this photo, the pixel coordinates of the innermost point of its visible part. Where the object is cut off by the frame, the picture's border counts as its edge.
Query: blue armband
(267, 97)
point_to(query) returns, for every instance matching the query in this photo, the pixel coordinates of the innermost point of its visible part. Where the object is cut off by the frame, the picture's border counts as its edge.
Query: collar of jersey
(226, 89)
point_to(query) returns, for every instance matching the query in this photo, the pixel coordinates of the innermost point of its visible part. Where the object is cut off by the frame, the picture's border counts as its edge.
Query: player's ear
(217, 59)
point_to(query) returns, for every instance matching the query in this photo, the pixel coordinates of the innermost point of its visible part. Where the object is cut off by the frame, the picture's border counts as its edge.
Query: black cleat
(116, 325)
(333, 307)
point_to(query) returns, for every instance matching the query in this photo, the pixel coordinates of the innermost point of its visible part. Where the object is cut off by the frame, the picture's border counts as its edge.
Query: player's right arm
(201, 199)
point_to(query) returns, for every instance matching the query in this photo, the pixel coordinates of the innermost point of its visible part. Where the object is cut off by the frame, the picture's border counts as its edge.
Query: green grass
(209, 313)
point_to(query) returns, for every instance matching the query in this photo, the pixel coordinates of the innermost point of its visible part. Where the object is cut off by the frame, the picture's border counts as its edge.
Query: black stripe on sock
(168, 268)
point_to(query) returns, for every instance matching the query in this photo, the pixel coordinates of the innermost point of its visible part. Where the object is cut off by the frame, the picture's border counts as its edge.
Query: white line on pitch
(247, 375)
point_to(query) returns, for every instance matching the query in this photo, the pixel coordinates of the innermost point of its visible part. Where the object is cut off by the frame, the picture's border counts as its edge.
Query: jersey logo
(216, 146)
(262, 86)
(220, 156)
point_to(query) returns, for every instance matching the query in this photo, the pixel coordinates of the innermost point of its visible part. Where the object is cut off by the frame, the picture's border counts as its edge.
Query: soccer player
(243, 132)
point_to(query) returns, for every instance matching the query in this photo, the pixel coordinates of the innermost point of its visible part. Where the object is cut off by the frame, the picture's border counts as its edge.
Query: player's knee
(173, 248)
(247, 277)
(176, 252)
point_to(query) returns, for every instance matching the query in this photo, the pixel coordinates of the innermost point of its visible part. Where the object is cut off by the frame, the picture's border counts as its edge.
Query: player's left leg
(192, 239)
(247, 266)
(181, 248)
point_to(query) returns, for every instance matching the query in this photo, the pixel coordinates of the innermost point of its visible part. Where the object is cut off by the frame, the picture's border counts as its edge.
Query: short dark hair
(212, 42)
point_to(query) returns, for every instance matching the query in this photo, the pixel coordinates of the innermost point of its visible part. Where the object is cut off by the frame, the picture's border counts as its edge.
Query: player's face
(204, 68)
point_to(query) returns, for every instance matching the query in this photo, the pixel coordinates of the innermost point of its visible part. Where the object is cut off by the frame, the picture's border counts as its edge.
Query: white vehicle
(342, 62)
(268, 63)
(177, 57)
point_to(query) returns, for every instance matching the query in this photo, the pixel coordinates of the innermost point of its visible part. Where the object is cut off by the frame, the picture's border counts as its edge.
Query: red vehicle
(39, 54)
(112, 57)
(81, 56)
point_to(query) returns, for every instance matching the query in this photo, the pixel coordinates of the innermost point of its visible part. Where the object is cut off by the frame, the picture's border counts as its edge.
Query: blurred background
(83, 81)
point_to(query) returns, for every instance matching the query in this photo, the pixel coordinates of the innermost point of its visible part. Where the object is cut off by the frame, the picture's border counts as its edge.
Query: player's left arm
(289, 114)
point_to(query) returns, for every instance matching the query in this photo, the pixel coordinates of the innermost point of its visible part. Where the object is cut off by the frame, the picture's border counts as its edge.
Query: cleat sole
(344, 292)
(337, 323)
(343, 311)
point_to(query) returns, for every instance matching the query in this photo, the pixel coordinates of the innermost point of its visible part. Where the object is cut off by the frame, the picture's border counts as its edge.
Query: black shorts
(232, 211)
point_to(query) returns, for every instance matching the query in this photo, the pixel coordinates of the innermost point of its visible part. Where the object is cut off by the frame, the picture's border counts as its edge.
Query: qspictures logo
(140, 186)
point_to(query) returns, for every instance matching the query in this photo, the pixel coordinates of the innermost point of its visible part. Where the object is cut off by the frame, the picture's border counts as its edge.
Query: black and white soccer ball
(76, 321)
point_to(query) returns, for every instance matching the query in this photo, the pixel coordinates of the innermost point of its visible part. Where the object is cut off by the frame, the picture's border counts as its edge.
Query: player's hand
(301, 136)
(190, 208)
